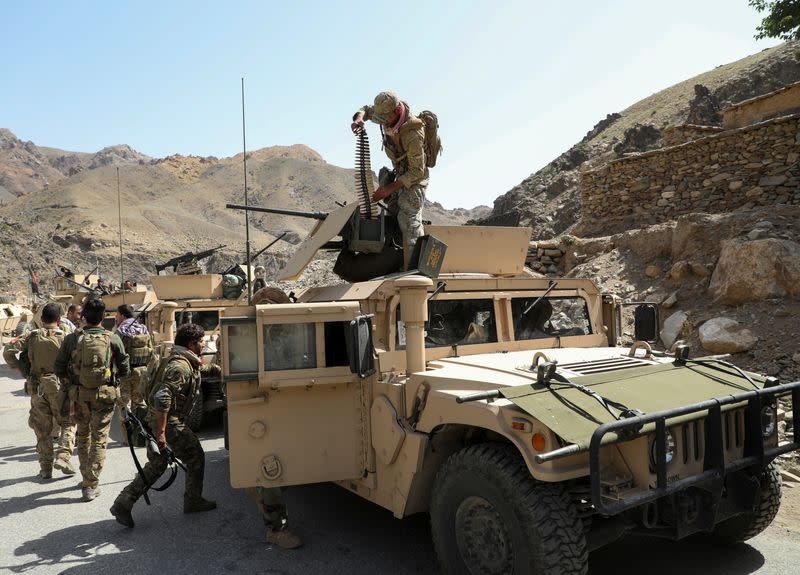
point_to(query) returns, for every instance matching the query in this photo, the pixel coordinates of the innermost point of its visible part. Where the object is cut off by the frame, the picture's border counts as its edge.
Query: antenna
(247, 212)
(119, 214)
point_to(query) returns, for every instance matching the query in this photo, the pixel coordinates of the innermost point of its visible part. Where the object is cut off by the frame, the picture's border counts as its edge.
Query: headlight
(769, 418)
(670, 449)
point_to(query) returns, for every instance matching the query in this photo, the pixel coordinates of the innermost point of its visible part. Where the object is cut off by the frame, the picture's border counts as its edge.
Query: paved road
(46, 528)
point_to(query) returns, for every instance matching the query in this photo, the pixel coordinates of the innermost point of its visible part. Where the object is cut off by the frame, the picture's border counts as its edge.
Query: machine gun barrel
(281, 211)
(185, 258)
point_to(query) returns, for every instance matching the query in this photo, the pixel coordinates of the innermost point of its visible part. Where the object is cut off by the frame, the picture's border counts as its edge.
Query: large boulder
(675, 326)
(725, 335)
(756, 270)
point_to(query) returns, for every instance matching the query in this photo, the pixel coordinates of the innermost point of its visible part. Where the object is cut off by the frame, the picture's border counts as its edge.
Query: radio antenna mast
(119, 214)
(246, 203)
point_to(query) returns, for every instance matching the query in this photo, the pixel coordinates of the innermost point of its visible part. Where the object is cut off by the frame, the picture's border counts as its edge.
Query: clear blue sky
(514, 83)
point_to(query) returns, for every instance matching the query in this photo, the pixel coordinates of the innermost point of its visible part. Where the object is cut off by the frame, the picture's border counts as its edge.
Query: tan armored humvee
(496, 402)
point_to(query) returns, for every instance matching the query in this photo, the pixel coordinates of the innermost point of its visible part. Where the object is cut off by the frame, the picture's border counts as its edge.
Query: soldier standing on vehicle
(139, 347)
(169, 399)
(404, 143)
(97, 358)
(38, 350)
(260, 281)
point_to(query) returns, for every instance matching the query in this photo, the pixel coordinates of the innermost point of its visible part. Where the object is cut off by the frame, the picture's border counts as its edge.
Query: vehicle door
(296, 411)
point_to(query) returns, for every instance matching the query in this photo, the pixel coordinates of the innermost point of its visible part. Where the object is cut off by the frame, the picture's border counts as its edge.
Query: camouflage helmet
(385, 105)
(260, 271)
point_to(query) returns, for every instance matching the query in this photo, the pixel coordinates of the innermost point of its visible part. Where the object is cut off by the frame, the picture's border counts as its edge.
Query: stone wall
(545, 256)
(747, 167)
(778, 103)
(676, 135)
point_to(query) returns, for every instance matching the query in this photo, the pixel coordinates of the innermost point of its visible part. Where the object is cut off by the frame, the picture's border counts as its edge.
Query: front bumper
(715, 468)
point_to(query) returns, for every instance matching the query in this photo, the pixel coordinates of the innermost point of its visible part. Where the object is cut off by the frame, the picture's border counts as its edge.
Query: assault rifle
(189, 259)
(133, 426)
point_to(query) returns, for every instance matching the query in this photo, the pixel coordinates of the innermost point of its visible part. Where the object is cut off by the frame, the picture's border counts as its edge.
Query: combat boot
(284, 539)
(198, 505)
(122, 514)
(45, 474)
(65, 466)
(90, 493)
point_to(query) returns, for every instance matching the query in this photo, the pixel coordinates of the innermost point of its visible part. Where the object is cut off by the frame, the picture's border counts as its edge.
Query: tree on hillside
(782, 20)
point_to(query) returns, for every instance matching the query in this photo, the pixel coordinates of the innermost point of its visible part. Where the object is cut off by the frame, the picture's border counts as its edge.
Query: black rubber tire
(520, 526)
(194, 420)
(748, 525)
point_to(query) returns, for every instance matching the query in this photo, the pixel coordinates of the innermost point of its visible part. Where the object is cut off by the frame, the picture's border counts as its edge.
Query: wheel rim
(483, 539)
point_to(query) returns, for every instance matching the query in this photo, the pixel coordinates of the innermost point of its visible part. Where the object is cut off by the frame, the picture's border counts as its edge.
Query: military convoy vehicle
(497, 402)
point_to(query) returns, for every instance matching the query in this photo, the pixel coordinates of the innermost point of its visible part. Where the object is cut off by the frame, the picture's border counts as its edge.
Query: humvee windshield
(455, 322)
(553, 316)
(208, 320)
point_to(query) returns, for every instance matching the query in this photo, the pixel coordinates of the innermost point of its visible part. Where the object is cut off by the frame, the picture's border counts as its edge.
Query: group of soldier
(77, 372)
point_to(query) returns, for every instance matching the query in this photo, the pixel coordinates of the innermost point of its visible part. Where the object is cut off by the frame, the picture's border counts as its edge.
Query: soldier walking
(170, 398)
(139, 347)
(97, 358)
(40, 347)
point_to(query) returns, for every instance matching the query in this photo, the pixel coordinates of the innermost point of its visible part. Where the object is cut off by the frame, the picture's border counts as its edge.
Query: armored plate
(323, 232)
(574, 415)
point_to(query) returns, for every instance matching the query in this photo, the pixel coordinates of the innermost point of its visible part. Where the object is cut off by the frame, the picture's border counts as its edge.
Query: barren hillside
(169, 206)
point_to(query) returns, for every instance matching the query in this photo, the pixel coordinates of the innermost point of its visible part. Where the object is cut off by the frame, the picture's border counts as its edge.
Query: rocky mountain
(26, 167)
(548, 200)
(62, 207)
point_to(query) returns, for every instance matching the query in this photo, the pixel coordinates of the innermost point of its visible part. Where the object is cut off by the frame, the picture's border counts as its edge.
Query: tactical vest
(155, 374)
(91, 359)
(43, 346)
(139, 348)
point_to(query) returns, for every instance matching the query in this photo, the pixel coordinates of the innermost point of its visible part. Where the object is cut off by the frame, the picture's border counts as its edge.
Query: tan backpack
(433, 143)
(91, 359)
(43, 346)
(139, 348)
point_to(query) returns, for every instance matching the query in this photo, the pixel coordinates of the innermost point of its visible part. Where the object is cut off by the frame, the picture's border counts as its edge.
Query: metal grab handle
(641, 345)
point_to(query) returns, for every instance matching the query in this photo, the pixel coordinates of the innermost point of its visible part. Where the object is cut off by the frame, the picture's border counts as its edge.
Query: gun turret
(187, 263)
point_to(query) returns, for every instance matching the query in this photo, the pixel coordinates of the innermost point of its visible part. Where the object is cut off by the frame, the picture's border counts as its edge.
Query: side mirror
(645, 322)
(360, 351)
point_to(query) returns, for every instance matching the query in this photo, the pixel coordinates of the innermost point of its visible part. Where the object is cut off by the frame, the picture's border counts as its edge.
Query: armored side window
(242, 350)
(550, 317)
(335, 344)
(290, 346)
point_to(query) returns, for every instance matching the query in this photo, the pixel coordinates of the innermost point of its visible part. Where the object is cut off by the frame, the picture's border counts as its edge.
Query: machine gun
(360, 235)
(187, 263)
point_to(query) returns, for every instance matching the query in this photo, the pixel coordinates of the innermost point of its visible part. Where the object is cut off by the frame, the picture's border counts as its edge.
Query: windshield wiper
(550, 288)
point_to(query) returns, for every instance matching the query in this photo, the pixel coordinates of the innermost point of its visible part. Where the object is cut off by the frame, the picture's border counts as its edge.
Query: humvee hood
(644, 385)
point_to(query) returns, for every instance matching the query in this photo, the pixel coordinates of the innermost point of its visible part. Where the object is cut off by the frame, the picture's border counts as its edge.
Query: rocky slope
(549, 201)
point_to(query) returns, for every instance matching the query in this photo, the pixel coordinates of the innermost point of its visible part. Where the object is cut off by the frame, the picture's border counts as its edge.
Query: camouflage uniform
(129, 386)
(405, 147)
(174, 394)
(44, 389)
(94, 407)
